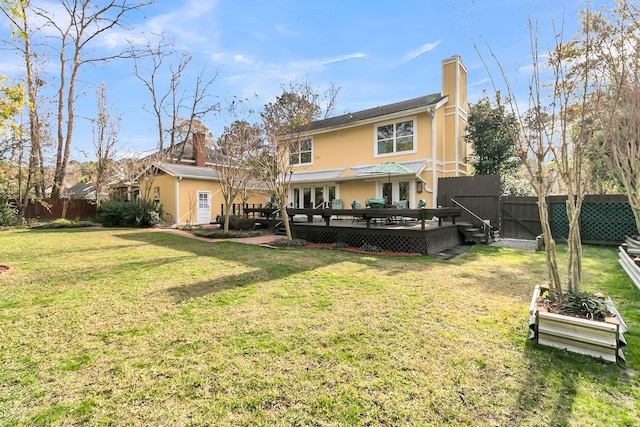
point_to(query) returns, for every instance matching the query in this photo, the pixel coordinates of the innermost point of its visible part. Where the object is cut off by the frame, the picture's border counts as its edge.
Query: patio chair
(422, 203)
(356, 205)
(337, 204)
(375, 203)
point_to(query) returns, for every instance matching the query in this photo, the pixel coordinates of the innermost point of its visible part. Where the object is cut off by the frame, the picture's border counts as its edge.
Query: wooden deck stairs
(476, 235)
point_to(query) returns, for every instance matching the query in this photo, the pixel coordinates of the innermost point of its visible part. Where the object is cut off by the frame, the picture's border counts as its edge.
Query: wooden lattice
(421, 241)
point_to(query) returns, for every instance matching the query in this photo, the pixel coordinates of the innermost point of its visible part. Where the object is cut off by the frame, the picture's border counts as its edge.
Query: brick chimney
(198, 148)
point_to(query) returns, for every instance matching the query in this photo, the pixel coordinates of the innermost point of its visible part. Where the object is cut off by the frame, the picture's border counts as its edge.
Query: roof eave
(381, 118)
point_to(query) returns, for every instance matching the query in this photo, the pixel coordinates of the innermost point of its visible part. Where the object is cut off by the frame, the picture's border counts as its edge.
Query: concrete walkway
(258, 240)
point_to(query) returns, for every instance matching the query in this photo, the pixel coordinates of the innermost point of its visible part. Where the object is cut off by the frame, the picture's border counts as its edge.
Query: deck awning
(387, 169)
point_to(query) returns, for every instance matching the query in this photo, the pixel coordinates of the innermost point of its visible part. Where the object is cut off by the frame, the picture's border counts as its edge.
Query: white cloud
(483, 81)
(419, 51)
(284, 31)
(242, 58)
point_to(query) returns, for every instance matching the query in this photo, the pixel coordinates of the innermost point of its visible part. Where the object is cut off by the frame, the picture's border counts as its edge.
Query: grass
(126, 327)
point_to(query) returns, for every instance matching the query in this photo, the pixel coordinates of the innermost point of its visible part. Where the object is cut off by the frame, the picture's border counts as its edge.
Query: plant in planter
(565, 117)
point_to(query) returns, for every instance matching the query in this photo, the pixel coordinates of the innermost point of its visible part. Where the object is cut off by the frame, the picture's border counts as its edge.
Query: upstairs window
(300, 152)
(395, 138)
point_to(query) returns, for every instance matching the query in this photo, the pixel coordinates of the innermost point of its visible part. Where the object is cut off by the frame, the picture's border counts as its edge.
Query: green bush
(340, 245)
(8, 210)
(369, 248)
(218, 233)
(65, 223)
(238, 222)
(8, 214)
(140, 213)
(286, 243)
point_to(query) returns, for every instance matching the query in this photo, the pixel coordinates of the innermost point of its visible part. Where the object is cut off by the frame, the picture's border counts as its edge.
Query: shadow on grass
(269, 263)
(201, 289)
(547, 395)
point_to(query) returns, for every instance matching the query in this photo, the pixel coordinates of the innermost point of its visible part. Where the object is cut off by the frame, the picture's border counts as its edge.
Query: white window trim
(301, 164)
(394, 121)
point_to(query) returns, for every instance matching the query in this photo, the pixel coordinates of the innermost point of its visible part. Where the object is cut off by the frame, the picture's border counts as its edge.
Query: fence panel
(479, 194)
(520, 218)
(604, 219)
(51, 209)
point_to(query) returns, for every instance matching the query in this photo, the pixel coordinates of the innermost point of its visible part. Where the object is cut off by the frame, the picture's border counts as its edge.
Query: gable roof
(421, 103)
(198, 172)
(80, 190)
(188, 171)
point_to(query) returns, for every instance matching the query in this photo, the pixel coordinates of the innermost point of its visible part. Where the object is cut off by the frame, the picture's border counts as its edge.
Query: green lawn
(127, 327)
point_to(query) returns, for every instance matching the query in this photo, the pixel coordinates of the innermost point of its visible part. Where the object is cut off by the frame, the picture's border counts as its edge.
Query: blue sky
(376, 51)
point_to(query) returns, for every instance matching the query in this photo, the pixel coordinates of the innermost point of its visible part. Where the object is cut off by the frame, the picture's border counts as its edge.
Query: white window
(397, 137)
(203, 200)
(301, 152)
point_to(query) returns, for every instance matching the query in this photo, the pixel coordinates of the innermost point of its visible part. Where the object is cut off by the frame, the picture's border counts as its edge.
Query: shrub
(369, 248)
(218, 233)
(65, 223)
(141, 213)
(238, 222)
(286, 243)
(584, 304)
(339, 245)
(8, 213)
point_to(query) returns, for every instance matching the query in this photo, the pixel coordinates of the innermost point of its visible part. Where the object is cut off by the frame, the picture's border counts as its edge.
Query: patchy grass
(126, 327)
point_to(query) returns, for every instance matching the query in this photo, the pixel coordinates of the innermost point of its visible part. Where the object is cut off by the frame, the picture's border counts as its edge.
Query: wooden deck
(387, 215)
(398, 230)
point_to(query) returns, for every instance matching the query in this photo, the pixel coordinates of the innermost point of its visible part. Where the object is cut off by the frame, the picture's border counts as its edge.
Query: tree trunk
(285, 219)
(574, 263)
(549, 247)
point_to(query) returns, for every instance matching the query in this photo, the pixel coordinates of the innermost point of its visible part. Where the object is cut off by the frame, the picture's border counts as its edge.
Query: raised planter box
(583, 336)
(628, 263)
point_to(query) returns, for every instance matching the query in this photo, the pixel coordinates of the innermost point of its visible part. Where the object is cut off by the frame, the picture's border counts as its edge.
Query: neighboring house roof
(413, 167)
(84, 190)
(415, 104)
(183, 152)
(196, 172)
(81, 190)
(188, 171)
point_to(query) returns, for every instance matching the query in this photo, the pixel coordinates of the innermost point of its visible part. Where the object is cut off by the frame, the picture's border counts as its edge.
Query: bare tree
(105, 129)
(287, 122)
(557, 130)
(616, 103)
(83, 23)
(163, 71)
(16, 13)
(236, 146)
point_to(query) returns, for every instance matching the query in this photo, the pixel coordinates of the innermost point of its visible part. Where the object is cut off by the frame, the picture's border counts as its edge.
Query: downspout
(434, 176)
(178, 179)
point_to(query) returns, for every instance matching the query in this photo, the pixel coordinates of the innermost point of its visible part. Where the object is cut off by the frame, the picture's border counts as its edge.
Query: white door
(203, 215)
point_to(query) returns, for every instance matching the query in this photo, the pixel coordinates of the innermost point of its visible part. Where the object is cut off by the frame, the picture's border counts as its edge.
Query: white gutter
(434, 176)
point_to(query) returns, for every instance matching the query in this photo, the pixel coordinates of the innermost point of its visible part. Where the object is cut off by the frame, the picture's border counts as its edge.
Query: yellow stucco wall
(188, 189)
(356, 146)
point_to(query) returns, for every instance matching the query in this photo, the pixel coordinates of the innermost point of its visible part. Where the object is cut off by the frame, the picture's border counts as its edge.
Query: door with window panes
(312, 196)
(203, 215)
(394, 191)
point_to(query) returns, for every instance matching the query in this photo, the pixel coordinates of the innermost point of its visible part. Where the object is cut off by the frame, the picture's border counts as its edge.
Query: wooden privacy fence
(51, 209)
(604, 219)
(479, 194)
